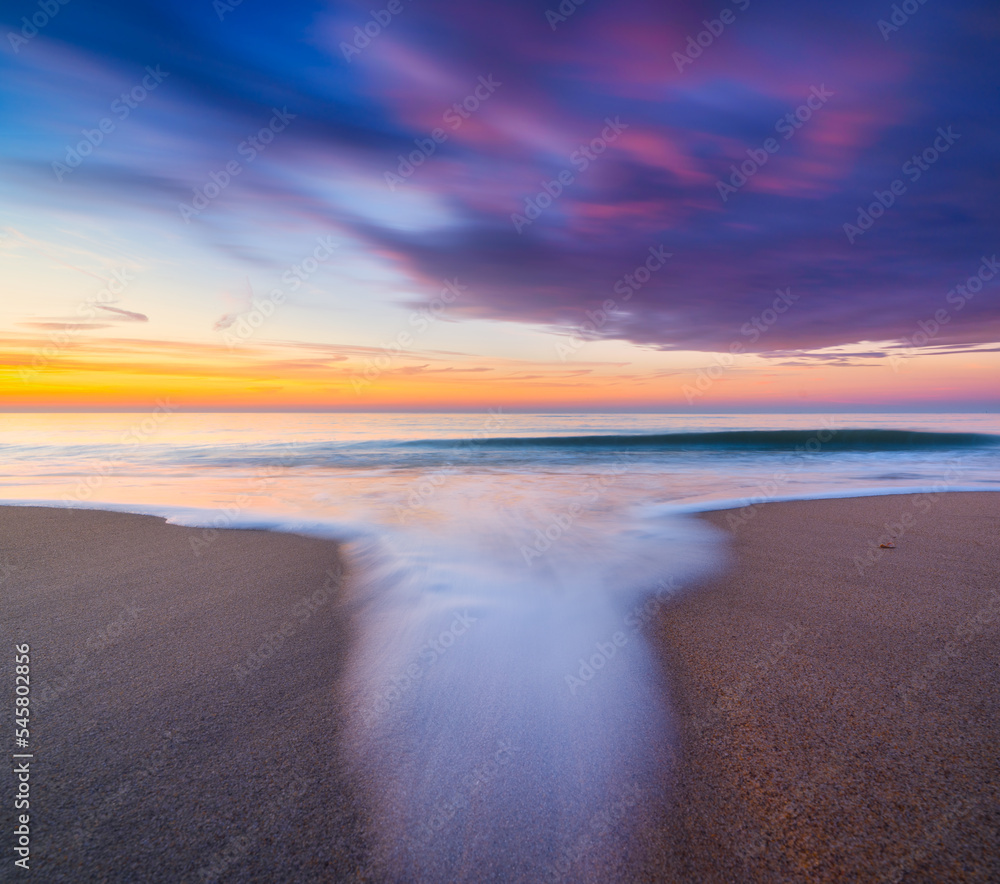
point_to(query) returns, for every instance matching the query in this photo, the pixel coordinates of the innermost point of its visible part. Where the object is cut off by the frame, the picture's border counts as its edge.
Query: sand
(838, 710)
(156, 760)
(839, 706)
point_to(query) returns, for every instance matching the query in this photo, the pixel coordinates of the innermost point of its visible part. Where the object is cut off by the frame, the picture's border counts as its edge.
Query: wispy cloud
(241, 302)
(126, 315)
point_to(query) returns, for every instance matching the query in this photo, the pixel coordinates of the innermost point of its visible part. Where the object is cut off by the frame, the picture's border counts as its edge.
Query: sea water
(502, 706)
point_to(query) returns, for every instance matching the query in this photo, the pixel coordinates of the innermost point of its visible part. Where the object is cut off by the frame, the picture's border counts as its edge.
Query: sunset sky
(429, 204)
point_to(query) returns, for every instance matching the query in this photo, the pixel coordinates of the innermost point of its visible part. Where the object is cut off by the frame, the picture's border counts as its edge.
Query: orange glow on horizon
(131, 374)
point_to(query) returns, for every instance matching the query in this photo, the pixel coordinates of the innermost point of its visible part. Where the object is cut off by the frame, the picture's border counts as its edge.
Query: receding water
(504, 706)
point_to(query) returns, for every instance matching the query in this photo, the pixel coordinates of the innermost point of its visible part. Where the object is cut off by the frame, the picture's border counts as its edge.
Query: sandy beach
(837, 705)
(185, 706)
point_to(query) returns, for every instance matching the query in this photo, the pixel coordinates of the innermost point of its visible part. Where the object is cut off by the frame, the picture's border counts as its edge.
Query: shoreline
(184, 701)
(190, 699)
(838, 704)
(170, 511)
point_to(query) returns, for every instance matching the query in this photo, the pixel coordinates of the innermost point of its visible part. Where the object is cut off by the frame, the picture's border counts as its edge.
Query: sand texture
(837, 708)
(838, 705)
(156, 759)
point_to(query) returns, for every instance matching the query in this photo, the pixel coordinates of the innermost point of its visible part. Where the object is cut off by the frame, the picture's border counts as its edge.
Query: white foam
(427, 716)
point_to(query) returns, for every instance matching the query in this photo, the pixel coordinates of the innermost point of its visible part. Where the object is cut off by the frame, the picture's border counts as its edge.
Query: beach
(836, 705)
(185, 713)
(839, 704)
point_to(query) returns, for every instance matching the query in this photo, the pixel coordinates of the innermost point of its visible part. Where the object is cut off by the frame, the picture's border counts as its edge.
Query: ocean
(501, 570)
(342, 472)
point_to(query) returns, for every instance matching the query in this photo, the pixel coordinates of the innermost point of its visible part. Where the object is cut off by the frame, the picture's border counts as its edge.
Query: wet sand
(156, 758)
(838, 704)
(837, 708)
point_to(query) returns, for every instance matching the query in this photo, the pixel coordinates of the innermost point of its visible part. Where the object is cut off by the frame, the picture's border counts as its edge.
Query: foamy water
(503, 702)
(492, 744)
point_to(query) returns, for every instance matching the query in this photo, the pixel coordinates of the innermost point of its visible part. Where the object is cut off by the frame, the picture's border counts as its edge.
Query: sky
(439, 205)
